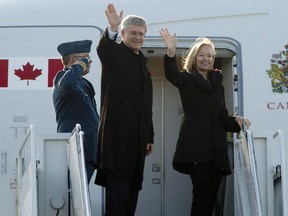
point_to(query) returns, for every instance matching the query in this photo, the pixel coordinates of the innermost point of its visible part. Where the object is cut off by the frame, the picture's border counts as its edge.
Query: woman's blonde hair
(189, 58)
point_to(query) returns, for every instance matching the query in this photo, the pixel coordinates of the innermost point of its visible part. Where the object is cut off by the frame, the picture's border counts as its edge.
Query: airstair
(246, 184)
(51, 178)
(257, 192)
(45, 188)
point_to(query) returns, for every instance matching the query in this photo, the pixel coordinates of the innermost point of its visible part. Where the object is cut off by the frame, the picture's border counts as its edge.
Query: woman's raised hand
(170, 41)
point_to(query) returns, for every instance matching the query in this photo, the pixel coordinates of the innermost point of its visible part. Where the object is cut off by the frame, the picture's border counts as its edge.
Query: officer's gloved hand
(85, 60)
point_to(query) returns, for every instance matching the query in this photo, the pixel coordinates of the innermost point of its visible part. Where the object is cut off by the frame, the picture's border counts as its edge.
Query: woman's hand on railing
(243, 121)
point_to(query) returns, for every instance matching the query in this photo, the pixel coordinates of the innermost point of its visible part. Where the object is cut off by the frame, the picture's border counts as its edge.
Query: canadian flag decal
(28, 73)
(3, 73)
(54, 65)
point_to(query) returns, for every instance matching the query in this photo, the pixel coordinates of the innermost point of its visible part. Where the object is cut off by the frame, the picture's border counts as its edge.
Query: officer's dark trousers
(121, 197)
(206, 179)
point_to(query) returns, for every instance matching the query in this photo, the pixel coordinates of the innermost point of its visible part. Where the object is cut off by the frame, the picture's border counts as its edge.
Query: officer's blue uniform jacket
(74, 102)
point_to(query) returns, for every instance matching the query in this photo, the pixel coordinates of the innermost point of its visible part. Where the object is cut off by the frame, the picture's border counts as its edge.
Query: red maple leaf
(28, 73)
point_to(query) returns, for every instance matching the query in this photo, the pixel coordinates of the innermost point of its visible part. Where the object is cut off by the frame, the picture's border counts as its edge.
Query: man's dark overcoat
(73, 98)
(126, 112)
(202, 135)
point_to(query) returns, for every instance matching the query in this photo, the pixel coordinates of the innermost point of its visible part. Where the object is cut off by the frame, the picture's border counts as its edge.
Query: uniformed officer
(73, 98)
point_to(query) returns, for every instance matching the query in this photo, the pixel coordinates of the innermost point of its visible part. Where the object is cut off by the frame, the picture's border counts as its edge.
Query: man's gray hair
(133, 20)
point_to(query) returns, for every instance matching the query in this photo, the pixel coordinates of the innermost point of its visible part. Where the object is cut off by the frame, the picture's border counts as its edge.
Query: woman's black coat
(202, 135)
(126, 112)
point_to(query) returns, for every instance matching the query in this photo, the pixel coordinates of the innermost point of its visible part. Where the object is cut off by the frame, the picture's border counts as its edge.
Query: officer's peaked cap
(68, 48)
